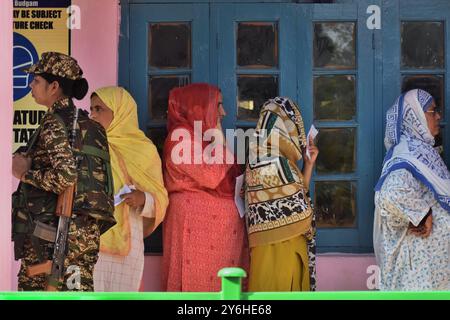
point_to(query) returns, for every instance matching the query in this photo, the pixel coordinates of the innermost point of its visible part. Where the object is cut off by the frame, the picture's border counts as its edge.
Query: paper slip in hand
(311, 134)
(125, 189)
(237, 197)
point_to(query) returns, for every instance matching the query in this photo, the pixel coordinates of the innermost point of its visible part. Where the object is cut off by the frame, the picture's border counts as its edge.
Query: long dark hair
(71, 88)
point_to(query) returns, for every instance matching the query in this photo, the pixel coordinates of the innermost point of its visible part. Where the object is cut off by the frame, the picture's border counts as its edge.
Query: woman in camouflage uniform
(47, 169)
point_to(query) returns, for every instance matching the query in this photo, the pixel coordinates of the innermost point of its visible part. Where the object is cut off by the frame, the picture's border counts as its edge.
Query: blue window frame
(194, 17)
(150, 74)
(343, 87)
(344, 189)
(235, 78)
(431, 22)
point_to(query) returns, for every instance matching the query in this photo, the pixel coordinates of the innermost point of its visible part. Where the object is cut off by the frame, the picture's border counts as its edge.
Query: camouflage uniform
(83, 243)
(53, 169)
(58, 64)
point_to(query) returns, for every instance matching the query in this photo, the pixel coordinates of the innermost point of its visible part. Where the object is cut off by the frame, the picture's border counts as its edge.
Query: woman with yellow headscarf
(140, 197)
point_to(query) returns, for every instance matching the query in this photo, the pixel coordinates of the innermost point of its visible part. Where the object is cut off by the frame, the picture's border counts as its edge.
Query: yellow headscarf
(134, 160)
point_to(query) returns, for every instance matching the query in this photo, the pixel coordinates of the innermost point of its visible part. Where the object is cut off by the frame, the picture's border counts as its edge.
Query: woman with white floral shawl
(412, 200)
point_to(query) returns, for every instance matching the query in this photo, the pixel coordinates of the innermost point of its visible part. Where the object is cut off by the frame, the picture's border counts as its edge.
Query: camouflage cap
(57, 64)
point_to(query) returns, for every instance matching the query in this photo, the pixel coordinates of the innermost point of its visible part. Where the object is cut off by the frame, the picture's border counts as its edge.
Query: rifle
(55, 268)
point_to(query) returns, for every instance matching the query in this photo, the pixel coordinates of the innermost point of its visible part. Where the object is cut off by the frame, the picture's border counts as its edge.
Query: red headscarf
(196, 102)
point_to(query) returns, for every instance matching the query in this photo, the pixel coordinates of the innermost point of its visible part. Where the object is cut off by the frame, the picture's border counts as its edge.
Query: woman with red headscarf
(202, 232)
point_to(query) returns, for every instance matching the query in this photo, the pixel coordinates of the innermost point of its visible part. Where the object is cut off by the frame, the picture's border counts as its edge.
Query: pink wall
(335, 272)
(6, 96)
(341, 272)
(95, 45)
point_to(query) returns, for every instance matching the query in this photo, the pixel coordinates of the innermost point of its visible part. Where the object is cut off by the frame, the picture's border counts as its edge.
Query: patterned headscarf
(278, 206)
(409, 145)
(405, 118)
(289, 139)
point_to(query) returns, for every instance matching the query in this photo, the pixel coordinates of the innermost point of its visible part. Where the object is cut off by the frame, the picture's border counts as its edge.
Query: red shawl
(196, 102)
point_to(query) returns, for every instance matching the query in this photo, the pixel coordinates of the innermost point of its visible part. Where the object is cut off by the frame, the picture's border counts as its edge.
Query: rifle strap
(75, 120)
(33, 139)
(96, 152)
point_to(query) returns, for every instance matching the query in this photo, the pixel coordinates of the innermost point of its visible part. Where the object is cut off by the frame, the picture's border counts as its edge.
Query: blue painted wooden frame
(227, 16)
(379, 82)
(413, 10)
(197, 15)
(295, 72)
(134, 70)
(229, 1)
(358, 239)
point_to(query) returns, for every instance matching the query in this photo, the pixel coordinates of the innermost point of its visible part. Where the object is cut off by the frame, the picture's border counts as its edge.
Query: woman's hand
(313, 153)
(308, 163)
(134, 199)
(424, 227)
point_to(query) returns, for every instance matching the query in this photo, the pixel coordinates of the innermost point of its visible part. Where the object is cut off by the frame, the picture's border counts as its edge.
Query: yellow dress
(266, 261)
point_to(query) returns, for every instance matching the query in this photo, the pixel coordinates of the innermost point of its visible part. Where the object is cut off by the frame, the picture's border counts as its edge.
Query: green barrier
(231, 290)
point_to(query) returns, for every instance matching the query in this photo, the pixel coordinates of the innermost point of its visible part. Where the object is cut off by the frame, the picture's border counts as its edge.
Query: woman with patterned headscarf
(412, 200)
(203, 232)
(138, 210)
(280, 217)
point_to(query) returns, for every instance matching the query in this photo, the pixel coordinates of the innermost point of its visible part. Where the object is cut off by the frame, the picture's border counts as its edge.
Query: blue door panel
(358, 238)
(378, 73)
(417, 11)
(228, 15)
(141, 16)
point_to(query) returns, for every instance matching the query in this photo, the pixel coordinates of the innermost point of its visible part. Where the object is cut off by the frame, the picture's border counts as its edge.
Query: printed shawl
(278, 206)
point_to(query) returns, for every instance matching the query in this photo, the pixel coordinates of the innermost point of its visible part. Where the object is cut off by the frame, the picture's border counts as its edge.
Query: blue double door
(327, 57)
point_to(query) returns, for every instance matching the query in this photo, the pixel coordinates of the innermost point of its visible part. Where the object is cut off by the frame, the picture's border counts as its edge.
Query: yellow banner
(39, 26)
